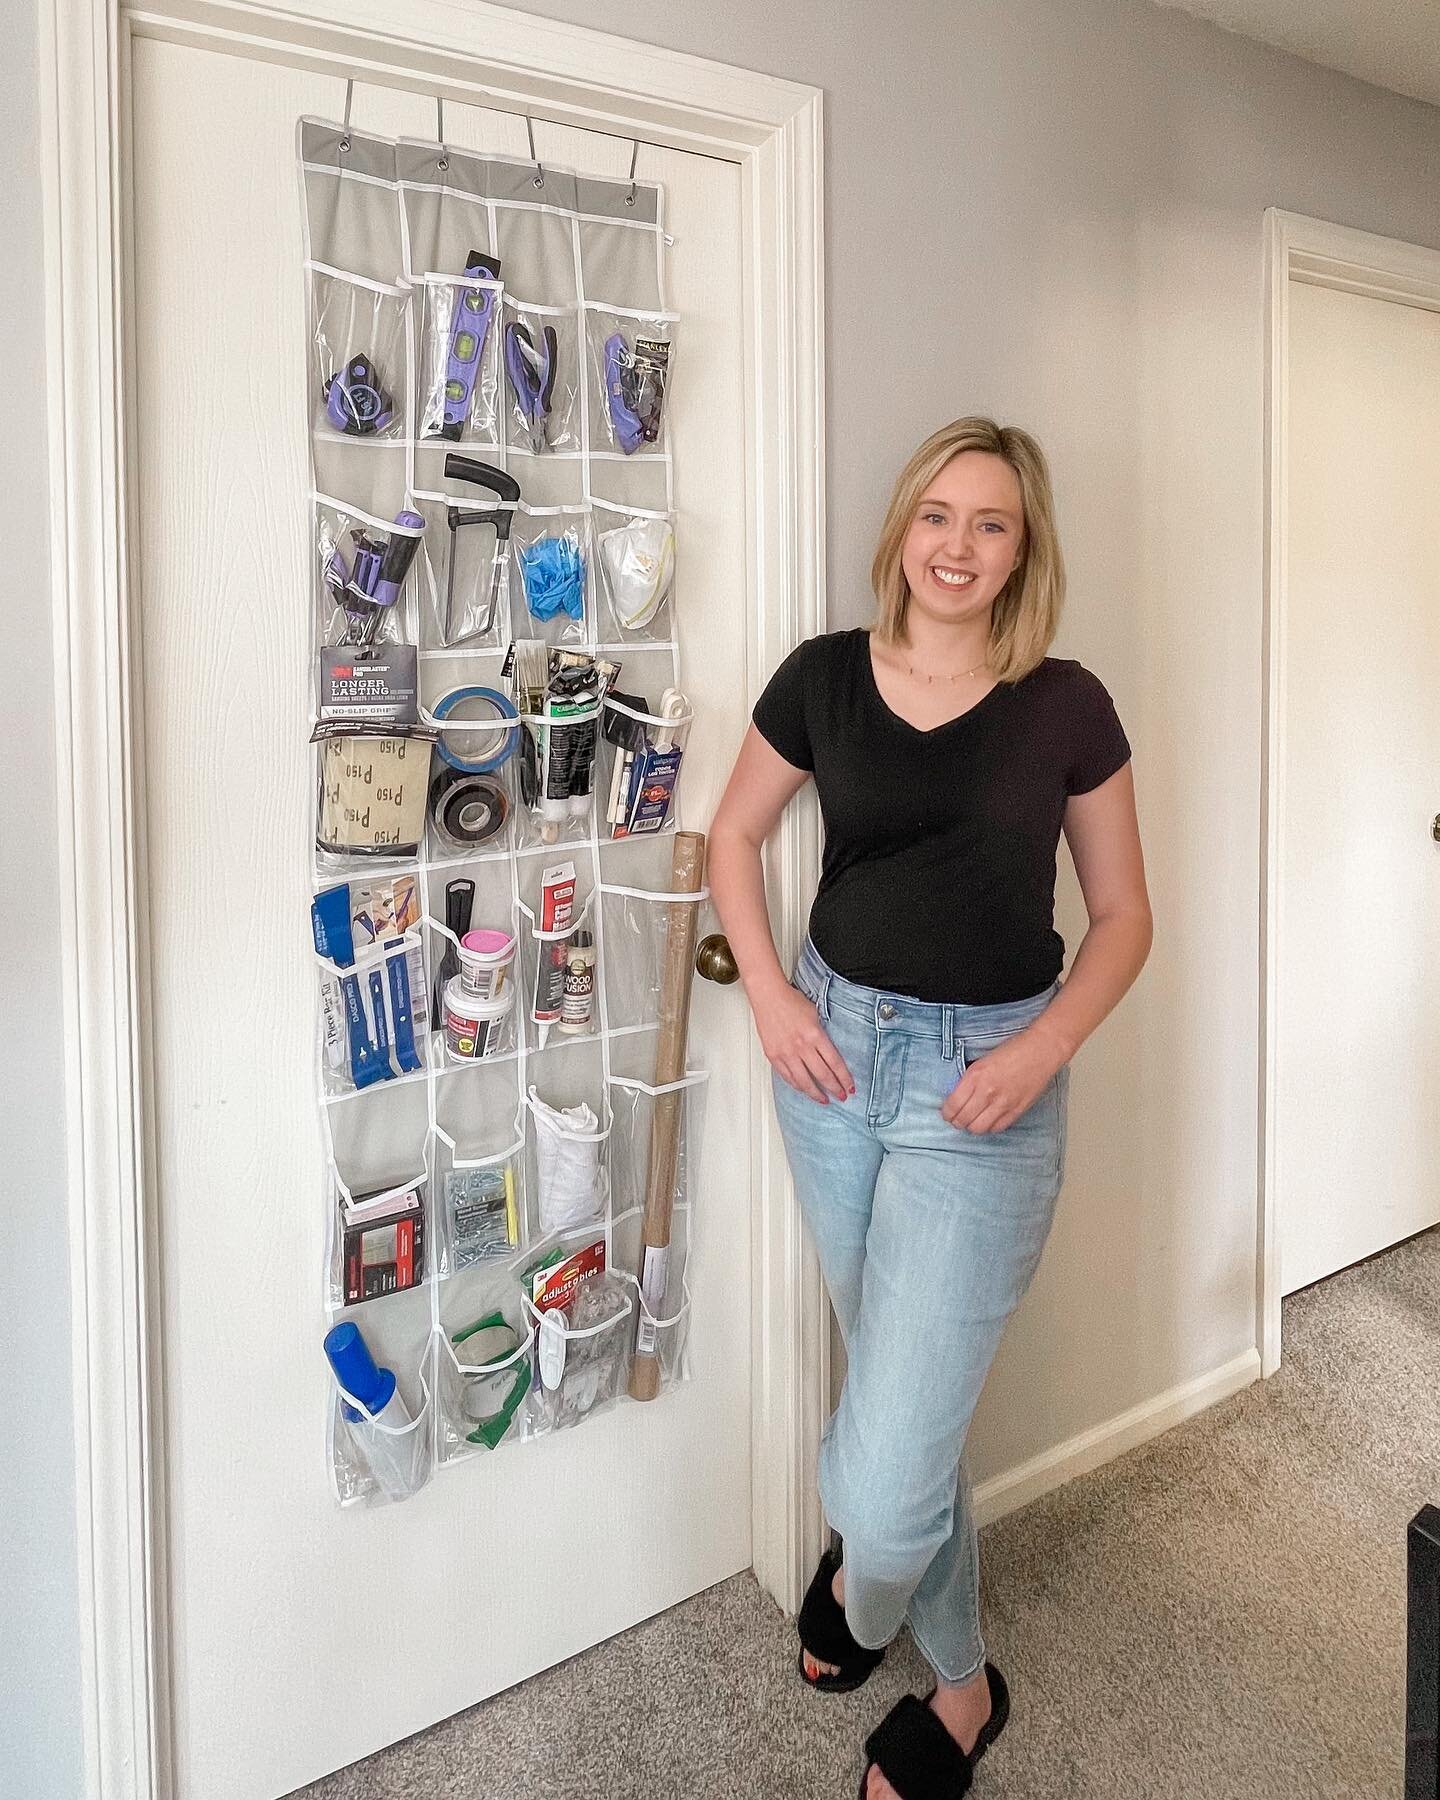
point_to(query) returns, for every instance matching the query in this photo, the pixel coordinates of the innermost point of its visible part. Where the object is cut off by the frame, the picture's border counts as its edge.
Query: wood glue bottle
(577, 1008)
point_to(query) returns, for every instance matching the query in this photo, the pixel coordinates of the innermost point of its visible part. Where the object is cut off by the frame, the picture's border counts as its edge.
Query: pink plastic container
(485, 959)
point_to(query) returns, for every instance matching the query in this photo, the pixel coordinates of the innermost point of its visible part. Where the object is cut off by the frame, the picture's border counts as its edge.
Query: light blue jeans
(928, 1236)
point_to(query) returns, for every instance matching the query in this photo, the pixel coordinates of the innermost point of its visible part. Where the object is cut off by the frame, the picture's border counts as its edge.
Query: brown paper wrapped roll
(686, 870)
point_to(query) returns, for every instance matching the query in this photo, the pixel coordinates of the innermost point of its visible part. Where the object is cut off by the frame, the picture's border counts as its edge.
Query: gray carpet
(1220, 1613)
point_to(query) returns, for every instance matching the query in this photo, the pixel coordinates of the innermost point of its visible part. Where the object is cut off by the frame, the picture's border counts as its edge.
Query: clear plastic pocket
(558, 971)
(580, 1353)
(358, 356)
(636, 928)
(380, 1441)
(470, 814)
(660, 1358)
(471, 798)
(551, 575)
(482, 1203)
(555, 770)
(476, 942)
(635, 554)
(464, 570)
(654, 1134)
(631, 364)
(485, 1371)
(653, 1138)
(459, 360)
(370, 801)
(642, 753)
(477, 1028)
(374, 994)
(382, 1242)
(540, 357)
(571, 1185)
(363, 564)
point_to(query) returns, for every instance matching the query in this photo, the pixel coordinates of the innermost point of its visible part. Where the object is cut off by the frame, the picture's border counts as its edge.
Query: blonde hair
(1026, 614)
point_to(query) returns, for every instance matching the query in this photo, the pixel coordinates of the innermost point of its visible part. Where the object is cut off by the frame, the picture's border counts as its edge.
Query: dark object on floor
(824, 1633)
(918, 1756)
(1422, 1690)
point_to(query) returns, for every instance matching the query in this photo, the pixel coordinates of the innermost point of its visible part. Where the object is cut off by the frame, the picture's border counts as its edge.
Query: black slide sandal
(826, 1636)
(918, 1756)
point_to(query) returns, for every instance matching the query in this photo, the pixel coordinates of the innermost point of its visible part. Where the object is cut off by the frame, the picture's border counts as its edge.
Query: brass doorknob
(715, 960)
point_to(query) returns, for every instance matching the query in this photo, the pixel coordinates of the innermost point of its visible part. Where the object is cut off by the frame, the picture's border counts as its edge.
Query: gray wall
(996, 172)
(39, 1632)
(1048, 209)
(1053, 210)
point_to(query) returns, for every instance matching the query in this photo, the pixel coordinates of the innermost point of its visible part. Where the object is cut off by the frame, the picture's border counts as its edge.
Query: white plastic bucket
(474, 1024)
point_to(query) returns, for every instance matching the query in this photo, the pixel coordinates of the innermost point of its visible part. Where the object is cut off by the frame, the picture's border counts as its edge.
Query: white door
(301, 1637)
(1357, 1072)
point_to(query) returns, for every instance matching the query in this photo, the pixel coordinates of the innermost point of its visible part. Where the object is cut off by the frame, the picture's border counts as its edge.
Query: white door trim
(1357, 262)
(488, 56)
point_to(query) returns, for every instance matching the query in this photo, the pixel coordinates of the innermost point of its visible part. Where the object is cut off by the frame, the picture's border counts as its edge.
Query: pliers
(531, 369)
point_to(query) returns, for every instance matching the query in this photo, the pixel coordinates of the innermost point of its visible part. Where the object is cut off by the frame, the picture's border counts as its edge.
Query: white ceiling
(1394, 43)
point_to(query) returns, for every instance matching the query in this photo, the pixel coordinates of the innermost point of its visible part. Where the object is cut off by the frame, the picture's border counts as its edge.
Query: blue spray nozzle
(356, 1372)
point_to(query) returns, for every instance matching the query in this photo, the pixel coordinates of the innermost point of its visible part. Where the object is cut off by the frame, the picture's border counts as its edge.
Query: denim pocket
(804, 983)
(969, 1050)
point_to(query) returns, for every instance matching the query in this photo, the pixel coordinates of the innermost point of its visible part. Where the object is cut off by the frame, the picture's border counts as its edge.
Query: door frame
(507, 61)
(1318, 253)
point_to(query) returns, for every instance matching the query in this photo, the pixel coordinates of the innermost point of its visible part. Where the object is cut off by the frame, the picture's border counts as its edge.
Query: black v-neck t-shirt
(938, 878)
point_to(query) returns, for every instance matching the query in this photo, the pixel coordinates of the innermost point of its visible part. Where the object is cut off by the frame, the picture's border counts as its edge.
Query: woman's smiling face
(966, 537)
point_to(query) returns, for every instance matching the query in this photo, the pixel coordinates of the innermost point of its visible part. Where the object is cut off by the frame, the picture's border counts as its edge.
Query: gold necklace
(915, 674)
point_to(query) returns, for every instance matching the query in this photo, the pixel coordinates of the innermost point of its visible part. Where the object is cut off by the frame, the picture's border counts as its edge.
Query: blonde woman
(920, 1048)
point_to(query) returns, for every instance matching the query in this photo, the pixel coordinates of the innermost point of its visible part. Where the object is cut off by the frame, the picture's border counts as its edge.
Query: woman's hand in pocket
(798, 1047)
(1001, 1085)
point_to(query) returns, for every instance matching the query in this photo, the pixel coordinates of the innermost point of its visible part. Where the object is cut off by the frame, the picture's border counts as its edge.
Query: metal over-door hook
(345, 135)
(634, 158)
(539, 180)
(442, 162)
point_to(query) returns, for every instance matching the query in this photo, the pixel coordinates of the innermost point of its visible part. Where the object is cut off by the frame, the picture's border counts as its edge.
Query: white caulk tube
(383, 1432)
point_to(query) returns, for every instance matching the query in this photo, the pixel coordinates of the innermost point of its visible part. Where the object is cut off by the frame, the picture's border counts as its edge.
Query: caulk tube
(569, 749)
(380, 1432)
(557, 906)
(334, 940)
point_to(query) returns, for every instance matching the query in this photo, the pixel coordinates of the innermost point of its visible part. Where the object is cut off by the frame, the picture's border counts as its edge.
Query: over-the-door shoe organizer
(489, 387)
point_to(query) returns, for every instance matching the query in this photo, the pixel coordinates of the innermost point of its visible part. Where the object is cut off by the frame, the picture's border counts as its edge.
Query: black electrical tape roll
(466, 810)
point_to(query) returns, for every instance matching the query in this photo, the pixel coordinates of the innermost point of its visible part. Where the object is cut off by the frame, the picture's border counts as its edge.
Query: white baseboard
(1103, 1443)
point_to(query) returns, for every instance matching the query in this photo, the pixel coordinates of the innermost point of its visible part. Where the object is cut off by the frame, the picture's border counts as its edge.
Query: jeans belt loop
(824, 1007)
(947, 1030)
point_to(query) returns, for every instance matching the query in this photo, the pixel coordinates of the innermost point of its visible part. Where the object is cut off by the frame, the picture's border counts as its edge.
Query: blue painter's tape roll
(486, 765)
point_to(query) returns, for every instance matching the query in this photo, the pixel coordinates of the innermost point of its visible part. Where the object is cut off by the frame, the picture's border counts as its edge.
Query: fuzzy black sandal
(824, 1633)
(917, 1755)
